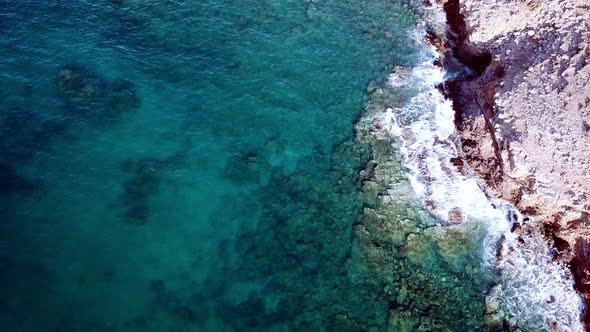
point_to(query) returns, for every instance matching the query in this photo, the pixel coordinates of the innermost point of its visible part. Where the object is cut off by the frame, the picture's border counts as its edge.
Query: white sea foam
(533, 292)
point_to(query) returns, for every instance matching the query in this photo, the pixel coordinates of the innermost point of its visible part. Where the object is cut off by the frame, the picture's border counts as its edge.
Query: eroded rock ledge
(519, 81)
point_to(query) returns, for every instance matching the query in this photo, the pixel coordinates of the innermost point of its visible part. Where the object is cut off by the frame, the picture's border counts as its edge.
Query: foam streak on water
(533, 292)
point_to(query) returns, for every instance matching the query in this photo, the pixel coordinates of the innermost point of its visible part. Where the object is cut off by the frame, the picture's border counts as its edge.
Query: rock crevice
(472, 79)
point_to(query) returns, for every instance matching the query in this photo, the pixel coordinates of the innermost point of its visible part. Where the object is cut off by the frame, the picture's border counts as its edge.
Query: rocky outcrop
(518, 81)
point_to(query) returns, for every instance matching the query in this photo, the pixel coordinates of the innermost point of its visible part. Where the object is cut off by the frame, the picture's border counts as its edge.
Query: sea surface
(180, 165)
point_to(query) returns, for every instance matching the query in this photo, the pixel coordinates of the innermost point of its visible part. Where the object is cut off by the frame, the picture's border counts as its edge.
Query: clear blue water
(189, 165)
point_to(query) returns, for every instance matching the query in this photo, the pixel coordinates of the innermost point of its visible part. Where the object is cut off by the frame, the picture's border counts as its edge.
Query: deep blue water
(188, 165)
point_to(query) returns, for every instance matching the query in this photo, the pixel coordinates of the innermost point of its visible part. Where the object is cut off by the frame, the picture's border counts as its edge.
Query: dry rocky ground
(523, 111)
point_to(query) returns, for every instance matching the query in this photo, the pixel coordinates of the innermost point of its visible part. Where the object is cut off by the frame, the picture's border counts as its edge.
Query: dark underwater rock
(137, 214)
(89, 96)
(80, 87)
(145, 183)
(301, 248)
(123, 97)
(24, 133)
(19, 132)
(137, 192)
(251, 313)
(13, 183)
(158, 285)
(177, 304)
(244, 167)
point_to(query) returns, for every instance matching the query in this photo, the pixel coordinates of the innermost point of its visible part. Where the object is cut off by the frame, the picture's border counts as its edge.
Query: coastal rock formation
(522, 111)
(434, 280)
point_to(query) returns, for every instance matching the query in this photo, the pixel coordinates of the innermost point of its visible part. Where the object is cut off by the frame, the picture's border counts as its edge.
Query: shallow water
(190, 166)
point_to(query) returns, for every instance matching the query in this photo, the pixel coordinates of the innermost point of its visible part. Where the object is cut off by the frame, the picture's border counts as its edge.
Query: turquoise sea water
(189, 165)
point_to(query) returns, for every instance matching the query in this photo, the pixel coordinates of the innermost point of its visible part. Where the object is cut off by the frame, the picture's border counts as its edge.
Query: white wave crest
(533, 293)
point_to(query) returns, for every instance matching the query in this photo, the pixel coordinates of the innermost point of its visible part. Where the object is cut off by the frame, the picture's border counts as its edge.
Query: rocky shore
(518, 78)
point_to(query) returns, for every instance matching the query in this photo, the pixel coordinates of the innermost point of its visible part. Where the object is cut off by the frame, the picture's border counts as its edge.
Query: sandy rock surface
(541, 106)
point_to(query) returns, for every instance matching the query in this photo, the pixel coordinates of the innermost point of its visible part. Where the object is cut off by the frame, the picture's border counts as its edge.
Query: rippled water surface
(189, 165)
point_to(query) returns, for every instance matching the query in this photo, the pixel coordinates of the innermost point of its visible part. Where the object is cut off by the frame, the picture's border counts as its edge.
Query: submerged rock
(137, 214)
(138, 190)
(301, 248)
(123, 96)
(402, 322)
(148, 175)
(81, 88)
(251, 313)
(24, 133)
(243, 168)
(13, 183)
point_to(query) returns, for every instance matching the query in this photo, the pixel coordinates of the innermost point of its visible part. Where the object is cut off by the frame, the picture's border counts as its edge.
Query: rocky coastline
(518, 74)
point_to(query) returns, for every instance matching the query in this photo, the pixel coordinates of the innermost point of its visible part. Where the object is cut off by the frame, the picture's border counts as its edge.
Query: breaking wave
(533, 291)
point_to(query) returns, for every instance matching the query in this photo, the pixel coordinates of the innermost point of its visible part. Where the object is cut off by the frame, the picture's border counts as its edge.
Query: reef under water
(195, 166)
